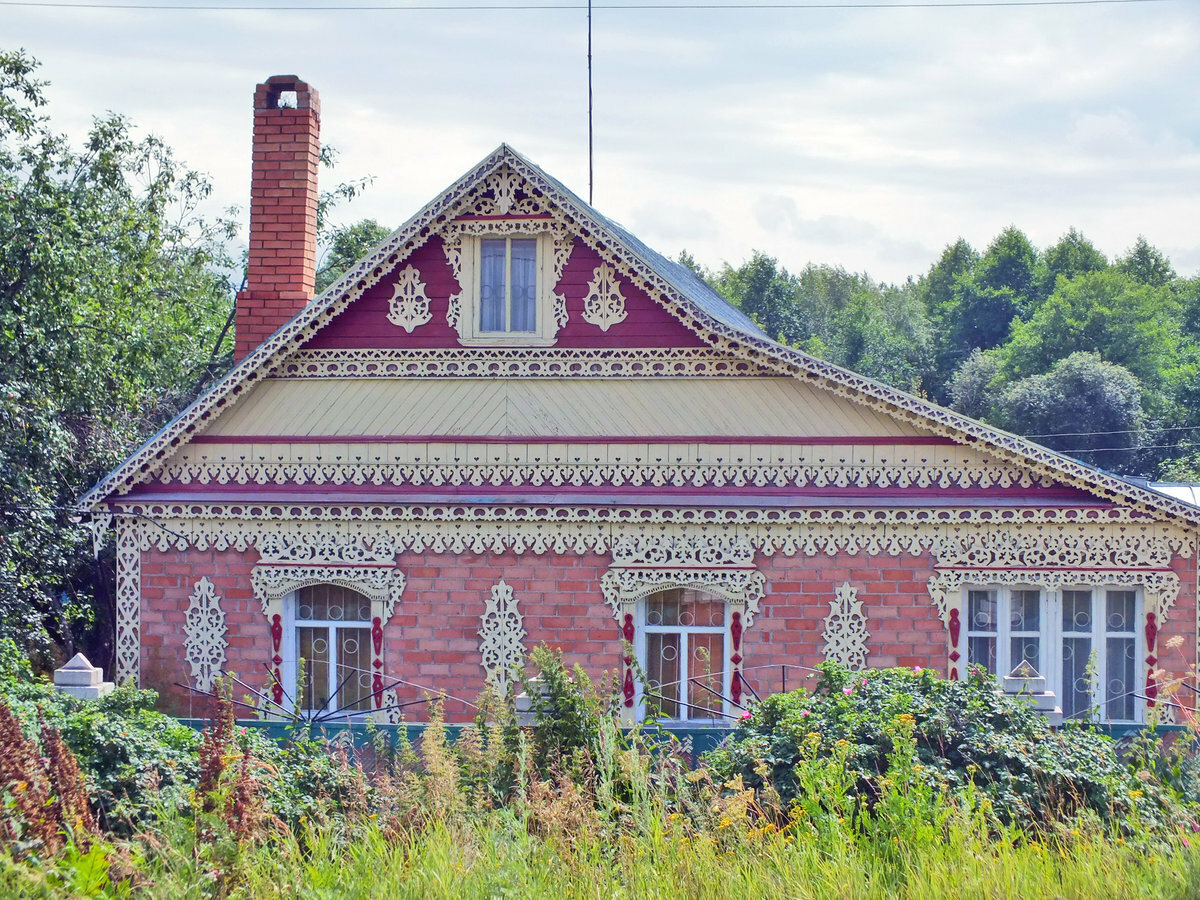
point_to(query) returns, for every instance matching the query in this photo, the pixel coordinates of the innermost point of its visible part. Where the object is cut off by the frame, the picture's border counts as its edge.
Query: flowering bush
(966, 737)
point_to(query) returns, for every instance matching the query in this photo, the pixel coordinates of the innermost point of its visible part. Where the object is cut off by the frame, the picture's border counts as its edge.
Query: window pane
(981, 611)
(707, 652)
(491, 285)
(313, 647)
(524, 285)
(662, 672)
(354, 662)
(1122, 612)
(1077, 694)
(1077, 611)
(663, 608)
(1026, 648)
(1025, 610)
(981, 651)
(1121, 667)
(332, 602)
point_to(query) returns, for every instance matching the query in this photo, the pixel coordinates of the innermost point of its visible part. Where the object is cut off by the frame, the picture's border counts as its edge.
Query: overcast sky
(866, 138)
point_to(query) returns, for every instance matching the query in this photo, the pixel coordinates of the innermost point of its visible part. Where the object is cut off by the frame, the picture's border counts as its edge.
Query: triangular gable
(688, 298)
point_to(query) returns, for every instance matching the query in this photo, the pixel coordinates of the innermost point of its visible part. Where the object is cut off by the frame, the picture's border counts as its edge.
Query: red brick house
(513, 422)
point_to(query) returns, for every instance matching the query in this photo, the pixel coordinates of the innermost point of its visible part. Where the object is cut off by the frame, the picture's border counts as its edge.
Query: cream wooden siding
(535, 406)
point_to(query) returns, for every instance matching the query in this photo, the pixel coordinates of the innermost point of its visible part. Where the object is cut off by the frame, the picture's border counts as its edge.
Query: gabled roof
(677, 288)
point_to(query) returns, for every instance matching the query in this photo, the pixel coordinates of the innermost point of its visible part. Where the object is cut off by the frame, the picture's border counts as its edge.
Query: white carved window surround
(1091, 641)
(646, 572)
(333, 614)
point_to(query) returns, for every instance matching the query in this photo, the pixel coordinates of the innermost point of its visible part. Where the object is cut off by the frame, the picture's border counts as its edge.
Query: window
(1082, 640)
(508, 283)
(683, 649)
(331, 632)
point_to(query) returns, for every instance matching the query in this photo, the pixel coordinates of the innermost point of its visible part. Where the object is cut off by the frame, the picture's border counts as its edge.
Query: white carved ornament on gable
(604, 304)
(204, 635)
(501, 637)
(409, 306)
(846, 629)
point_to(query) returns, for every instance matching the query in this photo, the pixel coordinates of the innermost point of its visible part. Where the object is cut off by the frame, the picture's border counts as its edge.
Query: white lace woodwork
(522, 362)
(459, 240)
(472, 191)
(99, 525)
(130, 537)
(652, 463)
(721, 565)
(204, 629)
(501, 637)
(845, 631)
(1161, 587)
(604, 304)
(345, 535)
(380, 582)
(409, 305)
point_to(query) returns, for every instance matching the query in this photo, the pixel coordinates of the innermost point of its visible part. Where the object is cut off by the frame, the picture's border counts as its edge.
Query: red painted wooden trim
(787, 440)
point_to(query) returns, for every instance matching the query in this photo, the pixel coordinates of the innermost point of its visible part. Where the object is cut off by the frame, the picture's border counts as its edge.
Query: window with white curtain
(1083, 640)
(508, 297)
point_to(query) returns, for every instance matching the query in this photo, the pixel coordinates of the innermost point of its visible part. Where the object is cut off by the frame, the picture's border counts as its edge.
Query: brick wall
(281, 269)
(432, 638)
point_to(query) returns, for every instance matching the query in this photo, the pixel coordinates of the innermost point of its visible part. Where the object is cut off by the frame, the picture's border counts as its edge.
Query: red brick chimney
(283, 209)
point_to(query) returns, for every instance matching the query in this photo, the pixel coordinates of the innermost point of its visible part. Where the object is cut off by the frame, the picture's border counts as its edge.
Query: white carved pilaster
(129, 602)
(846, 629)
(501, 637)
(204, 629)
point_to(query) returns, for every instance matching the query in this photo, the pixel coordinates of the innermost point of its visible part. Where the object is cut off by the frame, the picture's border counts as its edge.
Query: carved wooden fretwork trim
(1161, 587)
(409, 305)
(744, 464)
(129, 600)
(721, 564)
(204, 629)
(271, 582)
(604, 304)
(501, 637)
(472, 191)
(845, 631)
(530, 362)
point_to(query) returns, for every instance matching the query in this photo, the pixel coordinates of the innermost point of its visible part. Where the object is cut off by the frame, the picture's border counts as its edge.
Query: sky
(862, 138)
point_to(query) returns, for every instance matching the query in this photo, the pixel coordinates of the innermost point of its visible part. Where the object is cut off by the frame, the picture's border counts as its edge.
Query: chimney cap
(267, 95)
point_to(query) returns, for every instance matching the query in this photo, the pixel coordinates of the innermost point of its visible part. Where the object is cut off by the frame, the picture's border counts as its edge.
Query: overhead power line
(1120, 431)
(503, 7)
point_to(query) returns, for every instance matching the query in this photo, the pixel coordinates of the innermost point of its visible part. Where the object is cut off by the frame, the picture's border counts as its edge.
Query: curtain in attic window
(524, 286)
(491, 285)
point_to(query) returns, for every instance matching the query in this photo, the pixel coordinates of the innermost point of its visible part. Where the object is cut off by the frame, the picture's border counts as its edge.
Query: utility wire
(504, 7)
(1120, 431)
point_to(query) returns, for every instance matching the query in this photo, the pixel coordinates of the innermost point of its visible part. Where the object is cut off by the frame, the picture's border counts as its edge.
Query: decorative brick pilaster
(281, 271)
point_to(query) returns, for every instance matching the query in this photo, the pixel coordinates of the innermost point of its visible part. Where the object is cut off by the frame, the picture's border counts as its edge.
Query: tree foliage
(114, 294)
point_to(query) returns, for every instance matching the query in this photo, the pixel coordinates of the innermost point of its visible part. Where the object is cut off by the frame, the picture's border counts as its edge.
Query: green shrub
(966, 737)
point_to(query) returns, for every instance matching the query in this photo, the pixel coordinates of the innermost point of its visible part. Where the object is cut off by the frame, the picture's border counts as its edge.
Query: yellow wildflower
(1135, 794)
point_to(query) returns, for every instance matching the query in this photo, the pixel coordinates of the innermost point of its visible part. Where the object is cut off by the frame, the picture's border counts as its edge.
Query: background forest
(116, 300)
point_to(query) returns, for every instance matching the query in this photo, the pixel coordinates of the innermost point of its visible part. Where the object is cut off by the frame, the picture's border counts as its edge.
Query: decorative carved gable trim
(604, 304)
(204, 629)
(409, 306)
(846, 629)
(501, 637)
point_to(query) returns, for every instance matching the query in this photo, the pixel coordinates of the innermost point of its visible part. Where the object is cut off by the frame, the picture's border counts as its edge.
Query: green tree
(1126, 322)
(766, 293)
(344, 246)
(973, 390)
(1147, 264)
(114, 295)
(1083, 407)
(1073, 255)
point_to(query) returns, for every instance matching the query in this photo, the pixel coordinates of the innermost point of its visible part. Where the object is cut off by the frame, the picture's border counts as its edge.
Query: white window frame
(470, 333)
(292, 624)
(643, 629)
(1051, 634)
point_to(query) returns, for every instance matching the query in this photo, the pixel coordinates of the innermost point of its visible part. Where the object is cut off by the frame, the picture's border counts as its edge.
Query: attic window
(508, 289)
